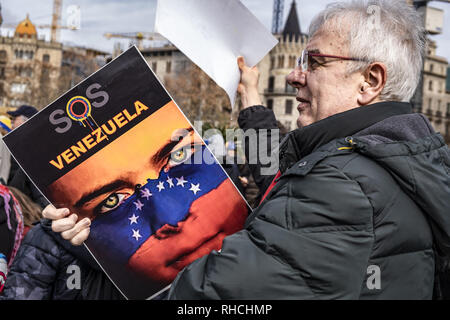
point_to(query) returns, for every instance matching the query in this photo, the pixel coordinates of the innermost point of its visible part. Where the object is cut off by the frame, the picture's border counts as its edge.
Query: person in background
(17, 177)
(31, 211)
(5, 156)
(21, 115)
(11, 230)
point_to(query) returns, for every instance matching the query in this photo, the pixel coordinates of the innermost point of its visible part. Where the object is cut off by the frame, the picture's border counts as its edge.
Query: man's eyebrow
(101, 190)
(314, 51)
(165, 150)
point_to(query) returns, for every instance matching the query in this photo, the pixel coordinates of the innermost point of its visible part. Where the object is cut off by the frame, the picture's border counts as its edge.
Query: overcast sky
(100, 16)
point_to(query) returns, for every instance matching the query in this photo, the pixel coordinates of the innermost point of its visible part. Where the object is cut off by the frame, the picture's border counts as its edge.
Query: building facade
(435, 94)
(29, 67)
(35, 72)
(275, 92)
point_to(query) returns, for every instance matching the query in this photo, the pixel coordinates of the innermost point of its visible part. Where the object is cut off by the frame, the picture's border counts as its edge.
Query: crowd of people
(359, 208)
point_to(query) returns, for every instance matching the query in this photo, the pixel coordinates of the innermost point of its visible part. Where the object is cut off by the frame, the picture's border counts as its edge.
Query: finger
(79, 226)
(50, 212)
(64, 224)
(80, 237)
(241, 62)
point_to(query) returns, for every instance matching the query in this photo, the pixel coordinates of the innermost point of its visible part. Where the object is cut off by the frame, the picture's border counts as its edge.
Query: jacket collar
(303, 141)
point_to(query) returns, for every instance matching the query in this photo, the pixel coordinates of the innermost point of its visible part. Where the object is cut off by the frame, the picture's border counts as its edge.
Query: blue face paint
(161, 201)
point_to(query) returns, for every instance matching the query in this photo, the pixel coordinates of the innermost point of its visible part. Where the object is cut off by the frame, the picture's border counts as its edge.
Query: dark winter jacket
(45, 268)
(361, 211)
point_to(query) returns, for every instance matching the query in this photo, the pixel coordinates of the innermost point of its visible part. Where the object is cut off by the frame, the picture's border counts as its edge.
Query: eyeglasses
(305, 63)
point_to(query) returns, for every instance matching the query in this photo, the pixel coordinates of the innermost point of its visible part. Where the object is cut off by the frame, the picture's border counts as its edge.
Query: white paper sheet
(212, 34)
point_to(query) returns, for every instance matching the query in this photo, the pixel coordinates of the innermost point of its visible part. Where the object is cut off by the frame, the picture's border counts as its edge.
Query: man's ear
(374, 81)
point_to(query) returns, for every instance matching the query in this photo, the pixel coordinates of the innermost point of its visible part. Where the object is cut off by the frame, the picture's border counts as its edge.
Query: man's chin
(304, 121)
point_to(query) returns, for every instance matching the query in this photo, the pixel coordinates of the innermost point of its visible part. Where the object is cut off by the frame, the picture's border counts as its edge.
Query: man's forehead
(327, 41)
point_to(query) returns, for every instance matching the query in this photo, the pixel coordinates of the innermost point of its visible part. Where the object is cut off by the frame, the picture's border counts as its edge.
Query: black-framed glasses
(304, 61)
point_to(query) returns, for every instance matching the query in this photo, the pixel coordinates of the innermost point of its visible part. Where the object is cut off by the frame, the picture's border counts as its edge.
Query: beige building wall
(435, 99)
(29, 69)
(164, 60)
(274, 68)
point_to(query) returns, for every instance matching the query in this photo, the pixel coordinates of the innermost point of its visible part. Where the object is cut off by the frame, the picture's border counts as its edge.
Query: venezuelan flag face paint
(170, 221)
(154, 205)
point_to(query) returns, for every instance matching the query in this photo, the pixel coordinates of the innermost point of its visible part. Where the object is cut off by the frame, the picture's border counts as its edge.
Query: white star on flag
(136, 234)
(169, 181)
(145, 193)
(133, 219)
(138, 205)
(195, 188)
(160, 186)
(181, 181)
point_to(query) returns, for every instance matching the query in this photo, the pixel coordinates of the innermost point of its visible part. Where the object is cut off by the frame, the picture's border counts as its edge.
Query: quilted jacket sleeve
(310, 239)
(257, 123)
(33, 272)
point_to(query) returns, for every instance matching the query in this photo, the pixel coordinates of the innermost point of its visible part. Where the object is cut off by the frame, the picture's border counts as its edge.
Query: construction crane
(56, 21)
(139, 37)
(277, 19)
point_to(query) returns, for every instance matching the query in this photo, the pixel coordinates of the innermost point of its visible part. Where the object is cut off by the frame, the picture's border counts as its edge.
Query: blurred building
(166, 61)
(29, 67)
(78, 63)
(277, 94)
(435, 92)
(35, 71)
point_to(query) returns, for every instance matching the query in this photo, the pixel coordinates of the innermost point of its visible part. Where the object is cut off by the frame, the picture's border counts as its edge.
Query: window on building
(429, 103)
(168, 66)
(431, 67)
(448, 109)
(288, 107)
(3, 55)
(181, 66)
(280, 61)
(270, 104)
(26, 72)
(292, 62)
(439, 105)
(272, 63)
(2, 72)
(430, 85)
(46, 58)
(154, 65)
(271, 83)
(18, 87)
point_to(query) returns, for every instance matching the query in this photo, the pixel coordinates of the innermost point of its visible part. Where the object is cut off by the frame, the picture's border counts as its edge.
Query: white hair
(386, 31)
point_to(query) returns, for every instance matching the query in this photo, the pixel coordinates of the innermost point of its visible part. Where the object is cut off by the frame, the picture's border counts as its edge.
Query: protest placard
(117, 149)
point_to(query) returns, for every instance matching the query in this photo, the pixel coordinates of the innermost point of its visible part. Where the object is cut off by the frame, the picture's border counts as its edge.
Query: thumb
(241, 62)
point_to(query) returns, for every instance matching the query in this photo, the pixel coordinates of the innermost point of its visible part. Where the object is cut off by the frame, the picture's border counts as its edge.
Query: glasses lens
(304, 61)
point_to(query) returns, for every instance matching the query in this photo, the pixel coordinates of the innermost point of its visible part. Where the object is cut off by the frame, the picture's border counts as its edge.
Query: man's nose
(297, 78)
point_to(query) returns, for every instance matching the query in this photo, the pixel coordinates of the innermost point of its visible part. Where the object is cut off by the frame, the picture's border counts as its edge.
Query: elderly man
(360, 208)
